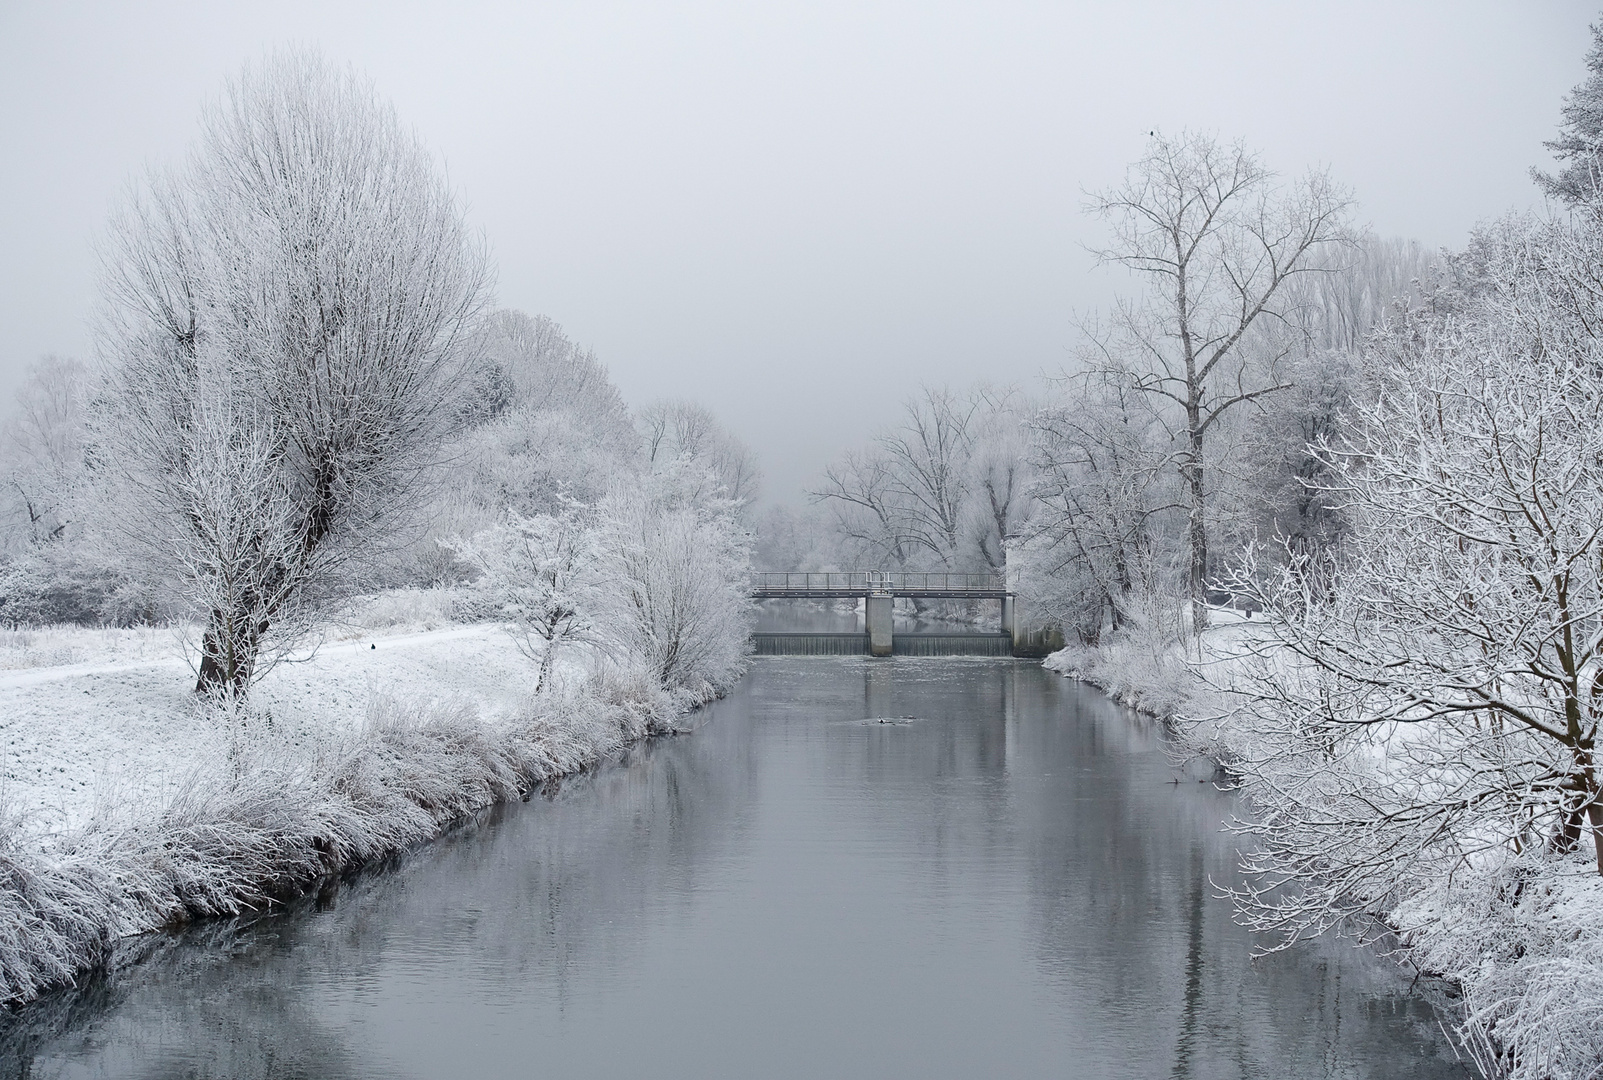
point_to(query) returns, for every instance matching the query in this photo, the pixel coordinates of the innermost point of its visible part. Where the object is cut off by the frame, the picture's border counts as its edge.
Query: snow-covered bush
(418, 609)
(673, 588)
(69, 583)
(1524, 935)
(542, 575)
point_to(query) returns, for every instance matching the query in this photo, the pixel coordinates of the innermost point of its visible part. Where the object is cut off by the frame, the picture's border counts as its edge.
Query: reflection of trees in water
(520, 902)
(938, 781)
(1130, 907)
(161, 1009)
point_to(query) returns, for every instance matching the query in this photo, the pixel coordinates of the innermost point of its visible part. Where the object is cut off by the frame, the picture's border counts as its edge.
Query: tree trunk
(226, 665)
(212, 676)
(1589, 809)
(1197, 529)
(545, 665)
(1595, 813)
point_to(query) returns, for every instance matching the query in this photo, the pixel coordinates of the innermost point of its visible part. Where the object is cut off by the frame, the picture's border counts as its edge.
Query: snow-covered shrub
(58, 584)
(542, 575)
(420, 609)
(1523, 936)
(1143, 671)
(673, 588)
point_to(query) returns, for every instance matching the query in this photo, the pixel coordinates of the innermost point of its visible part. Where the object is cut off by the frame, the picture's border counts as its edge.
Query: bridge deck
(854, 583)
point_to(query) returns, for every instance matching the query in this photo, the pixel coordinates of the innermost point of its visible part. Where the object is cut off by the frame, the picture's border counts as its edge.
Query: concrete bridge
(878, 590)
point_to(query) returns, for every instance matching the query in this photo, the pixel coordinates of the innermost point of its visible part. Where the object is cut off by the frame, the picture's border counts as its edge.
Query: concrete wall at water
(800, 644)
(770, 643)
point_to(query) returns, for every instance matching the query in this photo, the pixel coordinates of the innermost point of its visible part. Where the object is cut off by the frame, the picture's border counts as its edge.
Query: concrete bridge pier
(877, 616)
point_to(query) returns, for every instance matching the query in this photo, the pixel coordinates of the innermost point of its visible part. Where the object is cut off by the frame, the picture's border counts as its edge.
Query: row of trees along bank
(302, 392)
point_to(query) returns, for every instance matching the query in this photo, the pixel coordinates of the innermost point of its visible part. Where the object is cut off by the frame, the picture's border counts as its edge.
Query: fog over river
(854, 868)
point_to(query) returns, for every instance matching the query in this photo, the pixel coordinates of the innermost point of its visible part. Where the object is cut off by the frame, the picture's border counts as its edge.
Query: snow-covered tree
(686, 438)
(1001, 471)
(284, 322)
(1418, 732)
(42, 452)
(1097, 541)
(908, 498)
(1218, 238)
(1579, 182)
(1438, 705)
(543, 575)
(674, 578)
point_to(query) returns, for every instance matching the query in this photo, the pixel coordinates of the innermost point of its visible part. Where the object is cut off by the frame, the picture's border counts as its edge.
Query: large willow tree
(285, 321)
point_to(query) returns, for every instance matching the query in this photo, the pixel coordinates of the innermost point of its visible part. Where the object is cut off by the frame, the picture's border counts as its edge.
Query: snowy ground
(102, 721)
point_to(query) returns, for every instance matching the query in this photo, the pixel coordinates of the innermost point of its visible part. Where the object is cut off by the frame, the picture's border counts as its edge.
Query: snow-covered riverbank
(126, 807)
(1519, 932)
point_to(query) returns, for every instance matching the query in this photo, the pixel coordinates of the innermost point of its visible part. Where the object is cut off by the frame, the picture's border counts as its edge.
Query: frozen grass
(404, 609)
(273, 818)
(57, 646)
(125, 807)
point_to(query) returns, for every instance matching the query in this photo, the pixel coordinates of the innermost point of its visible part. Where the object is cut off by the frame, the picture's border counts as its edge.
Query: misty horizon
(795, 217)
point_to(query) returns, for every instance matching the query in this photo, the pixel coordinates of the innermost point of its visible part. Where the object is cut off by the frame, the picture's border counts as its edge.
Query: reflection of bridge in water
(878, 589)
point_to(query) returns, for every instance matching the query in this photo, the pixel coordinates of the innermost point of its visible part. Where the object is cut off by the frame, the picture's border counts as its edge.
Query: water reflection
(855, 868)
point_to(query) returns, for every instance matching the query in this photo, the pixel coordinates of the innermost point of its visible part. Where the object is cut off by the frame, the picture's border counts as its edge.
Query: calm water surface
(1008, 882)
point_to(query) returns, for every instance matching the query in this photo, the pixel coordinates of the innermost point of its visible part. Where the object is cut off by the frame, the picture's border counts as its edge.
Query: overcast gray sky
(794, 213)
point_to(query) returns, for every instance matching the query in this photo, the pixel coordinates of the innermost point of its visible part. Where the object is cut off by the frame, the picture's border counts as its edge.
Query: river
(853, 868)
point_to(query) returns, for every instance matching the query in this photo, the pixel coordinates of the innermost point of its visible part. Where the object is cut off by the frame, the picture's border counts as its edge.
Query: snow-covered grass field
(96, 722)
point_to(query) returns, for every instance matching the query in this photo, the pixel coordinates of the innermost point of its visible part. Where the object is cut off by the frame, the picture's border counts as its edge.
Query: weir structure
(878, 590)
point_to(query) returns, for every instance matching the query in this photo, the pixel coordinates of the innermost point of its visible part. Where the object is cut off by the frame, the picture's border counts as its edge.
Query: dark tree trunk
(225, 666)
(1197, 531)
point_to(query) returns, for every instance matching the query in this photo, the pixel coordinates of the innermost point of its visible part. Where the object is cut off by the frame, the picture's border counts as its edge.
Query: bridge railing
(817, 581)
(867, 581)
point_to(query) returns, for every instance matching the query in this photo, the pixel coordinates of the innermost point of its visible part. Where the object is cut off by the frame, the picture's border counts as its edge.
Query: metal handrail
(867, 581)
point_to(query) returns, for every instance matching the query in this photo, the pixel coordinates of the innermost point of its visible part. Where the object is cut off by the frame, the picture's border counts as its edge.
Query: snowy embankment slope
(1150, 672)
(126, 807)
